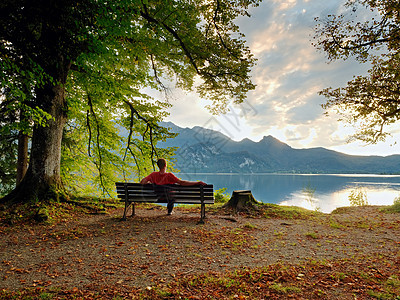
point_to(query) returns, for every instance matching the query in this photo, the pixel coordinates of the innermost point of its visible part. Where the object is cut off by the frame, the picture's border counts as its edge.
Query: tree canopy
(368, 102)
(75, 75)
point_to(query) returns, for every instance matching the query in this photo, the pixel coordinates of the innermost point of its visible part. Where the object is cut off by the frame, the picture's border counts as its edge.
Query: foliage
(122, 147)
(394, 208)
(8, 163)
(220, 196)
(368, 102)
(358, 197)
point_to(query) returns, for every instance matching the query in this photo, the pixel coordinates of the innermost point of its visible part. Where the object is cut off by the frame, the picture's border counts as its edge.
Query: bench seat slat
(150, 186)
(122, 189)
(137, 193)
(143, 200)
(179, 201)
(140, 195)
(175, 193)
(194, 198)
(172, 189)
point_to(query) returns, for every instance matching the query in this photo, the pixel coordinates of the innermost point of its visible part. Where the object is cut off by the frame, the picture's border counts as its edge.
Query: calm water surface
(323, 192)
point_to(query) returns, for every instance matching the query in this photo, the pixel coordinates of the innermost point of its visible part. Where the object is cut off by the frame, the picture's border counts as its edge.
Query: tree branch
(219, 33)
(90, 131)
(149, 125)
(145, 14)
(98, 165)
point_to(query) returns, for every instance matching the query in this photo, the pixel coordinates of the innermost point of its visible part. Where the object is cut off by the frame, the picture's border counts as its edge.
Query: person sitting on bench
(161, 178)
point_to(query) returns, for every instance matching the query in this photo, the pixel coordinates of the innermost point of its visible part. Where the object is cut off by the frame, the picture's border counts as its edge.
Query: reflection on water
(323, 192)
(328, 202)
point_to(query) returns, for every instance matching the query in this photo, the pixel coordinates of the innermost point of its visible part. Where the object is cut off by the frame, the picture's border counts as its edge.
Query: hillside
(203, 150)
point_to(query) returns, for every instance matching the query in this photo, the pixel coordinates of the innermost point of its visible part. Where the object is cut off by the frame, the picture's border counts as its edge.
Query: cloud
(306, 112)
(289, 73)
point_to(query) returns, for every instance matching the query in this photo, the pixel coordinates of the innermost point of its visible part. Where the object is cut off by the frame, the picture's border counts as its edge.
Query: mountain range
(203, 150)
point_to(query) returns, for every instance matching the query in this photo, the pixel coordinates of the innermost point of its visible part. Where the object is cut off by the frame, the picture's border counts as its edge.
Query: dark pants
(165, 192)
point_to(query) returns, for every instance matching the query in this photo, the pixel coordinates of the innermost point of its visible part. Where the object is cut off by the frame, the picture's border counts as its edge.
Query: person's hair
(161, 163)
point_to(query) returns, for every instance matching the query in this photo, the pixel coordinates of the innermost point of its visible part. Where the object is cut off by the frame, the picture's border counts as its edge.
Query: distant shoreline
(299, 174)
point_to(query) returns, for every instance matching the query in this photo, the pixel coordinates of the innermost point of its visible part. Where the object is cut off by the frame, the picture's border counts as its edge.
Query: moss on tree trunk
(42, 181)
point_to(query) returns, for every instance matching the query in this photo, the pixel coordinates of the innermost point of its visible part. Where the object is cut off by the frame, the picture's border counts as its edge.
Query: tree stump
(242, 200)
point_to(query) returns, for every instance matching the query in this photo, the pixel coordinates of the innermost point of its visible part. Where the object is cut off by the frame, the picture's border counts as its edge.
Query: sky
(289, 74)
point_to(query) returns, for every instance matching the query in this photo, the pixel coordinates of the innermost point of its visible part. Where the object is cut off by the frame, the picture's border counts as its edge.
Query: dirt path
(152, 248)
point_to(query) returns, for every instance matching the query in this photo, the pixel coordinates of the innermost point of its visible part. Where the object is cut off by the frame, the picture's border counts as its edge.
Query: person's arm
(147, 179)
(190, 183)
(144, 181)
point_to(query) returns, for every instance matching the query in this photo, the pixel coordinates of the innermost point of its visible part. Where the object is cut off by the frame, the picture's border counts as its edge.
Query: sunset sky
(289, 73)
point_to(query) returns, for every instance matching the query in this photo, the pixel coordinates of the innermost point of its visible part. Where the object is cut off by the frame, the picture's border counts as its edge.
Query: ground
(353, 253)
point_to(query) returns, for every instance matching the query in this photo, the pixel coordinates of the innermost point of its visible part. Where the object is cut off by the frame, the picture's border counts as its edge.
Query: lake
(323, 192)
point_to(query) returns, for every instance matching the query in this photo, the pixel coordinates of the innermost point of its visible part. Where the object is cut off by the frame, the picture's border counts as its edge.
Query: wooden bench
(136, 192)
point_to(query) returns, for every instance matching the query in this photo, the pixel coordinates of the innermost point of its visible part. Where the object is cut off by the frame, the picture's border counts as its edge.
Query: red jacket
(160, 179)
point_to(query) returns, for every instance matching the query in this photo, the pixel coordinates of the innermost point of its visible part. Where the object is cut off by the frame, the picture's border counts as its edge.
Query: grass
(338, 276)
(280, 288)
(288, 212)
(395, 208)
(54, 212)
(334, 224)
(249, 226)
(312, 235)
(393, 281)
(279, 234)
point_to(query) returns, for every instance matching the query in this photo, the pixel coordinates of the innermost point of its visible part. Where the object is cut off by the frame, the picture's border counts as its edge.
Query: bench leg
(133, 209)
(203, 206)
(125, 210)
(202, 213)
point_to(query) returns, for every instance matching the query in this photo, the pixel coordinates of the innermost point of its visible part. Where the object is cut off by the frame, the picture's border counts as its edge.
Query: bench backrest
(137, 192)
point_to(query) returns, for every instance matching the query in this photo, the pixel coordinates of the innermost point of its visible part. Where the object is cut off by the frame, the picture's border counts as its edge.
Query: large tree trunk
(22, 162)
(42, 180)
(23, 139)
